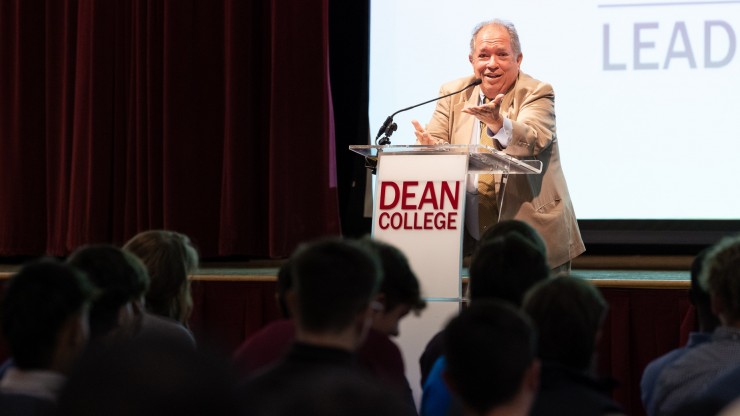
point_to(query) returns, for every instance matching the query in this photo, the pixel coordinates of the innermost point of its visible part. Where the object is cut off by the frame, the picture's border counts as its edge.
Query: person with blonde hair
(170, 258)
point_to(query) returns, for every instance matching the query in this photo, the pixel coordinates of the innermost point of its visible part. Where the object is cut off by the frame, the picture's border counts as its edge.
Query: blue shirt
(653, 370)
(435, 398)
(689, 376)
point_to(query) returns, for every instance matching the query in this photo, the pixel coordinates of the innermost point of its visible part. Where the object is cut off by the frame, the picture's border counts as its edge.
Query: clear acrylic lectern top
(482, 159)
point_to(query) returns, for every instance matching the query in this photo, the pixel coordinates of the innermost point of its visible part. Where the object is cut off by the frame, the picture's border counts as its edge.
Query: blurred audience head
(490, 349)
(44, 315)
(120, 280)
(503, 228)
(169, 258)
(505, 267)
(568, 313)
(720, 276)
(399, 291)
(334, 282)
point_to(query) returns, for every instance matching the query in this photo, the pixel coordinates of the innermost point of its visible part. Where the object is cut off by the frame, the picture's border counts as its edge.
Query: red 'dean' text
(409, 205)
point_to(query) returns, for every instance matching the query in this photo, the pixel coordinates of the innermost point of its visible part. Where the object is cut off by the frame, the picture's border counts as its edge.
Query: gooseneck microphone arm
(388, 127)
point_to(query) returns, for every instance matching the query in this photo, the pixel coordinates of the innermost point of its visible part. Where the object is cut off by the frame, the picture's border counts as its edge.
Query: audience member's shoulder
(381, 356)
(565, 391)
(378, 343)
(148, 376)
(724, 390)
(155, 325)
(432, 352)
(21, 404)
(264, 347)
(329, 392)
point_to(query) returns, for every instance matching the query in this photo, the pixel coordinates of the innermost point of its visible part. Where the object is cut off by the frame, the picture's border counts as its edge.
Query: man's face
(493, 60)
(387, 321)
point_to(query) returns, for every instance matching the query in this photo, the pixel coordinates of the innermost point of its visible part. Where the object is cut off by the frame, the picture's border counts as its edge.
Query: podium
(419, 204)
(419, 207)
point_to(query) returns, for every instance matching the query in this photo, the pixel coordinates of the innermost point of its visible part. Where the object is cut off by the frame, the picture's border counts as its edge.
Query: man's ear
(380, 299)
(532, 376)
(126, 315)
(718, 306)
(291, 302)
(138, 306)
(74, 332)
(365, 317)
(449, 381)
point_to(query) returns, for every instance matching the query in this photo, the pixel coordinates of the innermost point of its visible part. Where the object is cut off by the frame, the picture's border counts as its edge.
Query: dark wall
(349, 56)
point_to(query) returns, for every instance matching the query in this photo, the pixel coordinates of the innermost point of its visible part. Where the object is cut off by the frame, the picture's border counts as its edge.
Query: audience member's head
(120, 279)
(44, 316)
(334, 282)
(491, 358)
(399, 291)
(503, 228)
(506, 267)
(568, 313)
(720, 276)
(170, 258)
(699, 297)
(149, 376)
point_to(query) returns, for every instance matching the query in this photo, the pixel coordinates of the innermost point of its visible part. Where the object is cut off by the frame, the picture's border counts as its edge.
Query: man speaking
(512, 112)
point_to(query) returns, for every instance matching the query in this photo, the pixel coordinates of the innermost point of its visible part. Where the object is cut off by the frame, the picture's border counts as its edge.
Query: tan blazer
(541, 200)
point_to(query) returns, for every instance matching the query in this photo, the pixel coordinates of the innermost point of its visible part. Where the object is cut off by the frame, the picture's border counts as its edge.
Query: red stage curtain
(642, 324)
(209, 117)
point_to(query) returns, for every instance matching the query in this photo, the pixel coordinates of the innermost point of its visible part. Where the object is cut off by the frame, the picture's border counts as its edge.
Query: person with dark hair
(689, 377)
(399, 291)
(119, 279)
(398, 295)
(504, 268)
(707, 320)
(45, 322)
(489, 278)
(505, 227)
(568, 313)
(492, 365)
(334, 284)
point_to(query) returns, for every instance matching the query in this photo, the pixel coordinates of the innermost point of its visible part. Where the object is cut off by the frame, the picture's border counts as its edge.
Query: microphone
(389, 126)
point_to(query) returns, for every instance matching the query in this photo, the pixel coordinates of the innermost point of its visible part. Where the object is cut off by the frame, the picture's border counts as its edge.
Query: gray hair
(513, 35)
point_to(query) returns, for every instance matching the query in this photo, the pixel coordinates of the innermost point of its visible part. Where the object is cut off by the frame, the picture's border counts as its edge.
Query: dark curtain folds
(209, 117)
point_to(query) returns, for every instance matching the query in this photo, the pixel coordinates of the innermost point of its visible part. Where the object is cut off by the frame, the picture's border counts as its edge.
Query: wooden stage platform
(605, 271)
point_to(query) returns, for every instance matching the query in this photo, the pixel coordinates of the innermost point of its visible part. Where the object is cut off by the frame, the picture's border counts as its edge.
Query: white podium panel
(419, 206)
